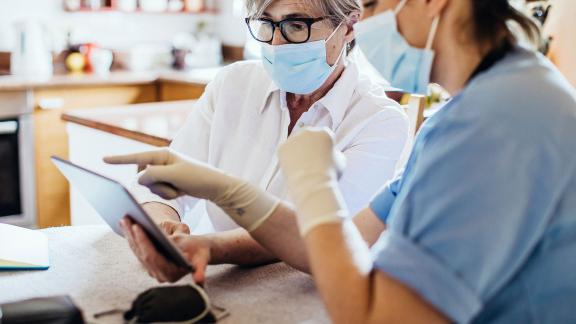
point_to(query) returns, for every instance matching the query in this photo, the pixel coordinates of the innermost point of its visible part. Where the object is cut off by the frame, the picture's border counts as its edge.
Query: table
(96, 268)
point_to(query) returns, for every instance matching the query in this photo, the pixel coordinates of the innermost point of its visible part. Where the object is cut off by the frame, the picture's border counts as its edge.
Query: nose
(278, 38)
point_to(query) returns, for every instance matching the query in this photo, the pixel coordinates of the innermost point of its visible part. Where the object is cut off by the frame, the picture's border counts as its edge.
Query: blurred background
(147, 29)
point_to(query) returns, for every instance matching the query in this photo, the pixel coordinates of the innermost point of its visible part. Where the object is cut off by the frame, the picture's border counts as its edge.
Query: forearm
(340, 261)
(237, 247)
(277, 238)
(281, 236)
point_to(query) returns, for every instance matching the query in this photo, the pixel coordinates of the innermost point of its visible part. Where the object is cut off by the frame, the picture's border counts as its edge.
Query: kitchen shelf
(112, 6)
(139, 11)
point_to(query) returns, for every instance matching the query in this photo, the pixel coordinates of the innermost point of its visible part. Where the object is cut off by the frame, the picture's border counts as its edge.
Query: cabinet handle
(51, 103)
(8, 127)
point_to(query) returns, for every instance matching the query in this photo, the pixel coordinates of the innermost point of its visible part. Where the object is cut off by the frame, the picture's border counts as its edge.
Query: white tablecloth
(95, 267)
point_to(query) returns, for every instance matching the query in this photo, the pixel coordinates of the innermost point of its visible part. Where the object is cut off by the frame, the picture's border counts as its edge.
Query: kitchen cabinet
(53, 203)
(48, 98)
(176, 90)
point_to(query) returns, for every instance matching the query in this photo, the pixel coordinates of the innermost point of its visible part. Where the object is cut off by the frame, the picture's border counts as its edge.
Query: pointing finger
(159, 157)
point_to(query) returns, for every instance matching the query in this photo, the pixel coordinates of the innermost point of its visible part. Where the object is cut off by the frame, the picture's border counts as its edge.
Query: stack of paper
(22, 249)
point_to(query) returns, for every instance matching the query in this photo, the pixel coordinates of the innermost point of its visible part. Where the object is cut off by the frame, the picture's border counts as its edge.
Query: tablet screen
(112, 202)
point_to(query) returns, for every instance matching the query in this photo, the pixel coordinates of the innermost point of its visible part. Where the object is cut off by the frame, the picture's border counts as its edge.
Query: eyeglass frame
(370, 4)
(278, 24)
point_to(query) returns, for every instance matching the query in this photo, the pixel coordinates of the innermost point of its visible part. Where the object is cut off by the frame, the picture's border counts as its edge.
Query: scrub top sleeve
(402, 259)
(383, 201)
(471, 211)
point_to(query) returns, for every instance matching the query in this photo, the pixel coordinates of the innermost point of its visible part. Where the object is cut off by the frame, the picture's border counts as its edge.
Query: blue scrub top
(482, 223)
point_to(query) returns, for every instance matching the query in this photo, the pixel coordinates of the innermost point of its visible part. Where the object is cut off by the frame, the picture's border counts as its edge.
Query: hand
(173, 228)
(311, 166)
(166, 217)
(195, 250)
(171, 175)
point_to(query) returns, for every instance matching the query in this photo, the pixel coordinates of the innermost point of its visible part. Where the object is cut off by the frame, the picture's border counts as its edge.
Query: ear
(353, 18)
(435, 7)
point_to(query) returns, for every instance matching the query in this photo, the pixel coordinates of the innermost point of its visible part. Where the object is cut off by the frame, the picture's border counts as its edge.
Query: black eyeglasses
(294, 30)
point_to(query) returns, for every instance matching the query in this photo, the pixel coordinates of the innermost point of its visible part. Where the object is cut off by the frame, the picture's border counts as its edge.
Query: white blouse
(242, 118)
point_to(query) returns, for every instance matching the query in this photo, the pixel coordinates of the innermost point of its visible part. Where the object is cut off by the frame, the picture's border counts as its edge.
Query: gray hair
(337, 11)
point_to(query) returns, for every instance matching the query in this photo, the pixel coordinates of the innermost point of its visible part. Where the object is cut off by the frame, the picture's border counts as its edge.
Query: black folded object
(50, 310)
(189, 304)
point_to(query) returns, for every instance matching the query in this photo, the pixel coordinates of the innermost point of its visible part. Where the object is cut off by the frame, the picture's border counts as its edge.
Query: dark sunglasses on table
(294, 30)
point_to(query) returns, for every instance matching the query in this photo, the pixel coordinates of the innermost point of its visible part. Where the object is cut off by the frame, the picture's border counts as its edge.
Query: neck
(455, 63)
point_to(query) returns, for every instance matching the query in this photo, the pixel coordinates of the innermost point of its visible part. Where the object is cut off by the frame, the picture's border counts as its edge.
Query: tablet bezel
(162, 243)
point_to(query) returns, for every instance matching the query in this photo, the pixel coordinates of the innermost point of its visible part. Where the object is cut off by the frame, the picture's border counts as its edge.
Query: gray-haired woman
(304, 79)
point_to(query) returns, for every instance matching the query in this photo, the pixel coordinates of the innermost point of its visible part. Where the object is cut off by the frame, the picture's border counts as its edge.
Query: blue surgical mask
(405, 67)
(299, 68)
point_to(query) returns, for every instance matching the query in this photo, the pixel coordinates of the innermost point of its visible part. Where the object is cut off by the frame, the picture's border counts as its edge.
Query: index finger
(160, 157)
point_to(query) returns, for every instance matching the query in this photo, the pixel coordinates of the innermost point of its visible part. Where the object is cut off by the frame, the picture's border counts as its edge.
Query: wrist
(220, 247)
(247, 205)
(214, 250)
(220, 186)
(318, 200)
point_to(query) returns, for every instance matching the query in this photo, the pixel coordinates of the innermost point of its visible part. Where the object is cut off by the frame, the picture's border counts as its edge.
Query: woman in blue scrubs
(481, 225)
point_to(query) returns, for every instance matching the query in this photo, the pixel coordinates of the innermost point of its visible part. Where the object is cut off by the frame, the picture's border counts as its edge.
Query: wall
(231, 26)
(116, 30)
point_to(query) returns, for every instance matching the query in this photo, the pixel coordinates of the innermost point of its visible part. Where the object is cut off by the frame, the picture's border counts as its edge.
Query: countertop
(196, 76)
(152, 123)
(97, 269)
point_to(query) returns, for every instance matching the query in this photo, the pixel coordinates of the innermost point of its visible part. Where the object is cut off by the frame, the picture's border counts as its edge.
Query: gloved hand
(171, 175)
(311, 168)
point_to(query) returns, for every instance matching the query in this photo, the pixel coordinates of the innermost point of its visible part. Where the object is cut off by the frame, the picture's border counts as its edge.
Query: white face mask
(404, 66)
(299, 68)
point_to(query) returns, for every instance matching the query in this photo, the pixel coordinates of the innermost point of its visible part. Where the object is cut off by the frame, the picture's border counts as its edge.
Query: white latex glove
(311, 167)
(171, 175)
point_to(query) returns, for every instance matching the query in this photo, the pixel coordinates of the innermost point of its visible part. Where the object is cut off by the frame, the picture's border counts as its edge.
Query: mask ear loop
(432, 34)
(334, 32)
(399, 7)
(343, 48)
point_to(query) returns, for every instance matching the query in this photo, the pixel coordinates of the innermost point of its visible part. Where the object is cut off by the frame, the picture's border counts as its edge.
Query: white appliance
(32, 55)
(17, 174)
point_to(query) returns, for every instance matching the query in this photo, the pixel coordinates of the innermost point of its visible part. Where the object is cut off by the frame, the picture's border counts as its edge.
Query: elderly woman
(251, 108)
(480, 226)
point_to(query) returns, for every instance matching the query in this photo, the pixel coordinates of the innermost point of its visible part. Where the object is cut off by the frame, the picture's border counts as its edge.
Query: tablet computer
(113, 201)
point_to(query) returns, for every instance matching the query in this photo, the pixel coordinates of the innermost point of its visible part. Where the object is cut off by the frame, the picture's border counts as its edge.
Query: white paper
(22, 248)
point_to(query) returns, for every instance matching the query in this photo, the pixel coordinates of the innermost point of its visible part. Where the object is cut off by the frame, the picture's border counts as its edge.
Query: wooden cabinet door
(172, 91)
(53, 201)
